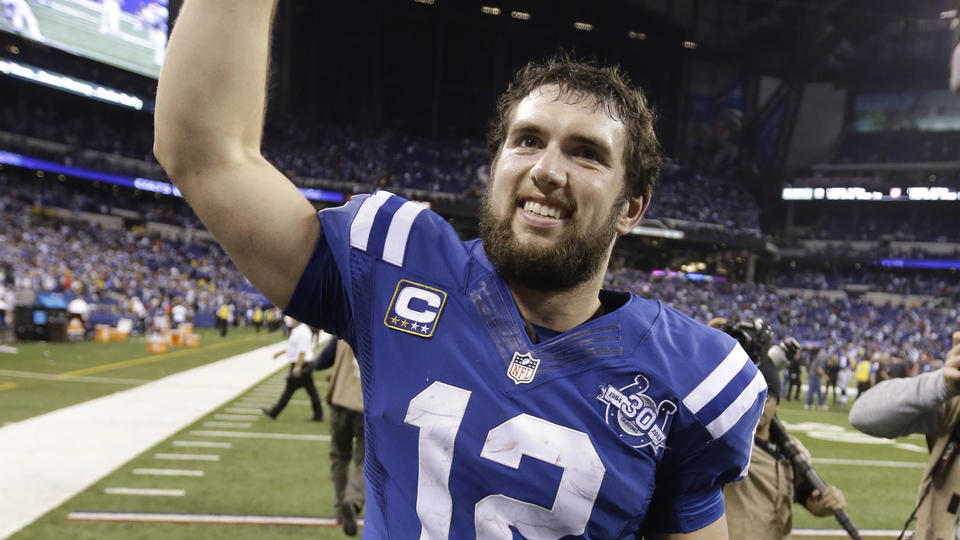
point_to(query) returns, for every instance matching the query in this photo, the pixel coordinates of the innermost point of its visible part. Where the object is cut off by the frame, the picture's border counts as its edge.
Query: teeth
(536, 208)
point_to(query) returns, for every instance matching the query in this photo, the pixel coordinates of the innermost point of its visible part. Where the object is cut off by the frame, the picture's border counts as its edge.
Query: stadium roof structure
(847, 40)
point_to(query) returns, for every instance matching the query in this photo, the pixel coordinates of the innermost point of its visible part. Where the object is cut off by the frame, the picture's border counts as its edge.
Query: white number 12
(438, 411)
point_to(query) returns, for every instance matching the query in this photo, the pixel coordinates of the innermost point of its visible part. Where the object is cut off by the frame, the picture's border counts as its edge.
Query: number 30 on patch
(415, 308)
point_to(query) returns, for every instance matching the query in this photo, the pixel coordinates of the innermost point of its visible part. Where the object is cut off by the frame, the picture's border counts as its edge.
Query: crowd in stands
(921, 225)
(344, 158)
(115, 269)
(111, 267)
(941, 284)
(685, 195)
(844, 327)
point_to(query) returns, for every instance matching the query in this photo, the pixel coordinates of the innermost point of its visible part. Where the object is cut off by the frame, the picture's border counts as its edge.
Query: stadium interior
(809, 177)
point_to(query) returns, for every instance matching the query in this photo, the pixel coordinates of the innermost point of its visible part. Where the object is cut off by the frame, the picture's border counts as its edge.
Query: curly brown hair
(579, 79)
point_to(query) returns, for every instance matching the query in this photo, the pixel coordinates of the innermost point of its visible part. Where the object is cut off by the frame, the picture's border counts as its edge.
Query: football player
(154, 16)
(505, 393)
(19, 14)
(110, 18)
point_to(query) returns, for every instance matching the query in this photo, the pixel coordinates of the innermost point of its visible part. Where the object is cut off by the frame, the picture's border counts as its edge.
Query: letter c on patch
(402, 305)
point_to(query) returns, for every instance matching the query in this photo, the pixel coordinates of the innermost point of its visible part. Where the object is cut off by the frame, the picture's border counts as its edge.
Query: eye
(528, 141)
(589, 153)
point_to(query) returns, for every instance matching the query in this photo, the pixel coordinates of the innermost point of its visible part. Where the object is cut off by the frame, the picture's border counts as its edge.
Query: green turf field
(74, 25)
(47, 376)
(290, 477)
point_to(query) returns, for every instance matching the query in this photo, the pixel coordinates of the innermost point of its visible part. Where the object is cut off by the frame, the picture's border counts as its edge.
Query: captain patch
(415, 308)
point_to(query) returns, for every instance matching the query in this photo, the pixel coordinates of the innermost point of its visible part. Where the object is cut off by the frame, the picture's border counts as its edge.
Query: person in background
(880, 369)
(223, 318)
(298, 351)
(832, 371)
(345, 397)
(761, 505)
(864, 371)
(927, 404)
(815, 377)
(257, 318)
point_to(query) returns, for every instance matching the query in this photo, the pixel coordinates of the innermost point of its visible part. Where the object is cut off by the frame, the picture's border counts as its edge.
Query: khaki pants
(346, 445)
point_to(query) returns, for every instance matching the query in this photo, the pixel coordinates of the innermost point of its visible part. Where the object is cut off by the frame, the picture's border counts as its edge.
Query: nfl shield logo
(522, 368)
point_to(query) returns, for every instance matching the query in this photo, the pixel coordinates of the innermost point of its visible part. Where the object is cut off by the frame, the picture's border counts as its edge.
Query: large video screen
(923, 110)
(129, 34)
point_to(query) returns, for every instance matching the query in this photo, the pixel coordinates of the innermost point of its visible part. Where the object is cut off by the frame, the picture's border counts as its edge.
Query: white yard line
(242, 410)
(237, 417)
(188, 457)
(254, 435)
(251, 403)
(202, 444)
(872, 463)
(864, 533)
(39, 475)
(167, 472)
(233, 425)
(146, 492)
(225, 519)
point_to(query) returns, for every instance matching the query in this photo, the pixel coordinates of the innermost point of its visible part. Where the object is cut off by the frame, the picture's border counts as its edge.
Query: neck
(559, 310)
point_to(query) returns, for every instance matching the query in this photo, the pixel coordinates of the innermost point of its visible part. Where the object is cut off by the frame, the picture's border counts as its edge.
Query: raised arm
(899, 407)
(209, 123)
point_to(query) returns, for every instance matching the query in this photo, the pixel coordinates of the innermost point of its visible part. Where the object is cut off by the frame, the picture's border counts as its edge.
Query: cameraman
(925, 404)
(761, 505)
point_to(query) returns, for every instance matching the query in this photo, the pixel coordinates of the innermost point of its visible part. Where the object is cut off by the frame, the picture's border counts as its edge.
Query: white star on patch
(425, 329)
(414, 326)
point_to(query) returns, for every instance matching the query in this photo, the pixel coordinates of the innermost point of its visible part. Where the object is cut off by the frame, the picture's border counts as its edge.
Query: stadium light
(586, 27)
(427, 2)
(520, 15)
(490, 10)
(636, 35)
(69, 84)
(689, 44)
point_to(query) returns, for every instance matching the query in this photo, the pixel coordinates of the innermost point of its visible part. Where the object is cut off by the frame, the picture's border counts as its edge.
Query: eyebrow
(595, 143)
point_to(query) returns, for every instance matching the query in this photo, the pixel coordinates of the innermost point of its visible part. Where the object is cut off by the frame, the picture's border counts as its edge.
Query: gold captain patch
(415, 308)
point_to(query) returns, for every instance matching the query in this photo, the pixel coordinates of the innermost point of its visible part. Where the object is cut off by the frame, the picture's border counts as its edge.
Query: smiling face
(557, 197)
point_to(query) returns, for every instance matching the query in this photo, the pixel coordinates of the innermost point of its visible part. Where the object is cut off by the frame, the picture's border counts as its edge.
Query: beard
(574, 258)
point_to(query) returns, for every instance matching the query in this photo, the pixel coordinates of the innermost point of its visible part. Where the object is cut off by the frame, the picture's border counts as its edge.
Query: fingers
(833, 499)
(951, 366)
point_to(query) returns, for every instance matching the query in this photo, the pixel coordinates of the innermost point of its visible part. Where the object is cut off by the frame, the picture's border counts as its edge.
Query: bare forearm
(210, 98)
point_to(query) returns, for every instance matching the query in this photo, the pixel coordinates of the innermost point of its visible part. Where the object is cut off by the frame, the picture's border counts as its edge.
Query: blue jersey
(630, 421)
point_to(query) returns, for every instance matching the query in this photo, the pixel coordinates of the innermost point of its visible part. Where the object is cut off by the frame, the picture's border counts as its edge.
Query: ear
(632, 212)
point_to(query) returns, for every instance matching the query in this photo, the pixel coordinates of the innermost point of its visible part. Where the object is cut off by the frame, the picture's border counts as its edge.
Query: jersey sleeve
(320, 298)
(370, 237)
(710, 448)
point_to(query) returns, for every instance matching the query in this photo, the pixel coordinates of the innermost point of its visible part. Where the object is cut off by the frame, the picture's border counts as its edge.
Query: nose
(548, 173)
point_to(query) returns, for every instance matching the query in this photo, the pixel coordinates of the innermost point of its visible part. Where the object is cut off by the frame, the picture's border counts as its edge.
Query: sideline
(102, 434)
(149, 359)
(51, 377)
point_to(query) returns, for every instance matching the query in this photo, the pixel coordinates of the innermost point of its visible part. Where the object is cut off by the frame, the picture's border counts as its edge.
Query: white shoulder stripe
(738, 408)
(363, 221)
(716, 381)
(395, 245)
